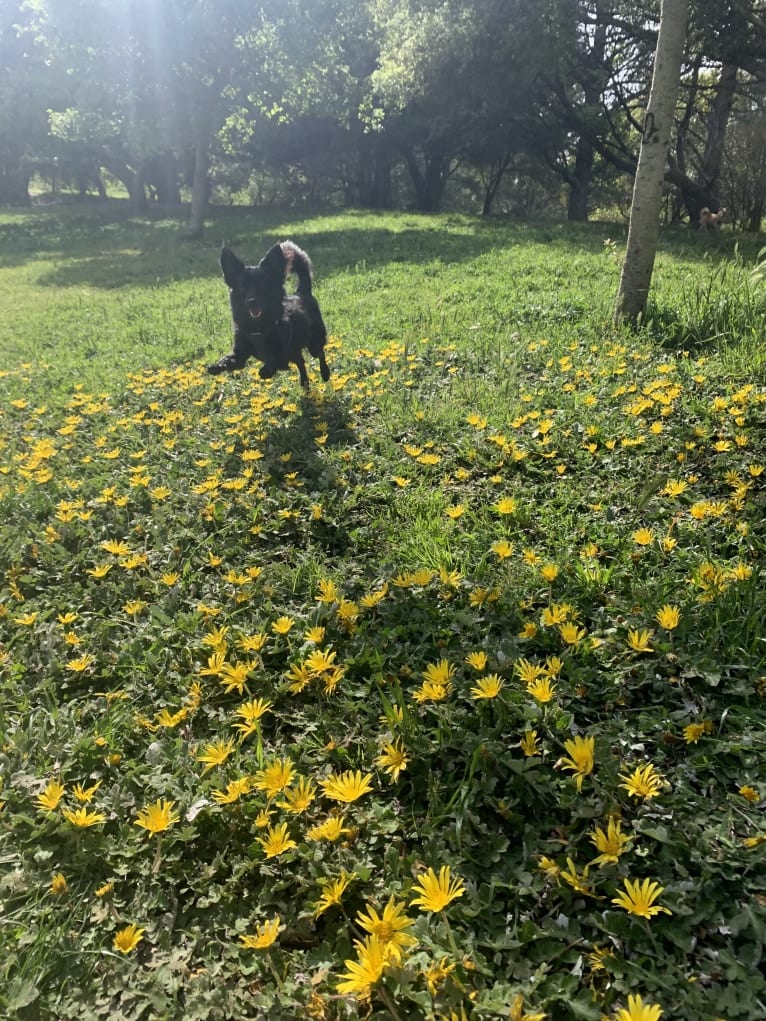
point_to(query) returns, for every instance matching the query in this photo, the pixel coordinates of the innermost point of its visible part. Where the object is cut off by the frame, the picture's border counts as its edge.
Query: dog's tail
(296, 261)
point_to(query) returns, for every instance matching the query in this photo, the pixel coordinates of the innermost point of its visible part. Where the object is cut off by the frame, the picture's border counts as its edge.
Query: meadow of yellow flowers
(434, 693)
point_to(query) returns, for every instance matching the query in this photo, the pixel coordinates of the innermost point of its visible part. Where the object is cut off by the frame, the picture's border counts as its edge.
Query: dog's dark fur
(269, 324)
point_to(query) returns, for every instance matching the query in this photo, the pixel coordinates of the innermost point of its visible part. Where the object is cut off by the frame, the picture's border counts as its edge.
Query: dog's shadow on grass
(299, 456)
(294, 451)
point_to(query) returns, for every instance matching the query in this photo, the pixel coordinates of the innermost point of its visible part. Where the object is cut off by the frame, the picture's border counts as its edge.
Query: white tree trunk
(647, 189)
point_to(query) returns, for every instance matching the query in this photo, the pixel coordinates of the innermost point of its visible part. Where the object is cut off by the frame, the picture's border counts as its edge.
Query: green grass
(492, 468)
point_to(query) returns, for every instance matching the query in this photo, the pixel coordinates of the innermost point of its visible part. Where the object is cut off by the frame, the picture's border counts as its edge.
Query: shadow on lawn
(105, 246)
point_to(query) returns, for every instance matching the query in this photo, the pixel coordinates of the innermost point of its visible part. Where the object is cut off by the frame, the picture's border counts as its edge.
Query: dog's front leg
(236, 360)
(226, 364)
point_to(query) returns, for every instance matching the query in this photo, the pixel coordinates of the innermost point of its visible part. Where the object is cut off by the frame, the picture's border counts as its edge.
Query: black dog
(270, 325)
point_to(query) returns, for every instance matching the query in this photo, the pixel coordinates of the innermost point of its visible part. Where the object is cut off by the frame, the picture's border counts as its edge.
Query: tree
(27, 88)
(644, 224)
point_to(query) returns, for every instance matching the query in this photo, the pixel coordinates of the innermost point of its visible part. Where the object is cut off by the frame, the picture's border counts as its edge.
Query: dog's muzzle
(254, 310)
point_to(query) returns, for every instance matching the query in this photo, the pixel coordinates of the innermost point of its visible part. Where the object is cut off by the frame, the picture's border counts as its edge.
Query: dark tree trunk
(162, 175)
(705, 192)
(429, 182)
(492, 180)
(374, 174)
(133, 179)
(579, 182)
(14, 186)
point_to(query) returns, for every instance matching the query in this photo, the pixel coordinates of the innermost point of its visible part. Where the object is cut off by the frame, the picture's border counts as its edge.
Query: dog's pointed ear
(273, 262)
(232, 266)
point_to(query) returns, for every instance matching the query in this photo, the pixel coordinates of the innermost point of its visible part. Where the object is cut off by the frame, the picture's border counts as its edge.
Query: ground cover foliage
(490, 601)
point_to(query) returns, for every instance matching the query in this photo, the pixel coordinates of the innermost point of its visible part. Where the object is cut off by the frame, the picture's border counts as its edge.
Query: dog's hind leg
(299, 361)
(324, 368)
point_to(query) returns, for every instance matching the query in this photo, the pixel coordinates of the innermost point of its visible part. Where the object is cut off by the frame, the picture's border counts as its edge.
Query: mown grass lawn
(436, 693)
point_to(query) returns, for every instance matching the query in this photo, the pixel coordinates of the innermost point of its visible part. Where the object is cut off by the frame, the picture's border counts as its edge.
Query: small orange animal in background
(711, 221)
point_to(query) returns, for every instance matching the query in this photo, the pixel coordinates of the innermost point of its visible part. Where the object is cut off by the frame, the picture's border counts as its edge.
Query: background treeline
(492, 105)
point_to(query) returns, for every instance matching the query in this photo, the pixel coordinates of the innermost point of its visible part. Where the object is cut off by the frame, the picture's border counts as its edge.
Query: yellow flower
(456, 511)
(643, 782)
(556, 614)
(215, 753)
(517, 1012)
(581, 757)
(526, 671)
(637, 1010)
(502, 549)
(372, 599)
(251, 713)
(117, 548)
(283, 625)
(83, 817)
(488, 687)
(275, 777)
(127, 939)
(299, 797)
(81, 663)
(321, 661)
(265, 934)
(571, 634)
(643, 537)
(158, 817)
(253, 643)
(276, 841)
(639, 640)
(430, 692)
(348, 612)
(435, 893)
(549, 572)
(542, 689)
(505, 506)
(392, 759)
(750, 793)
(668, 617)
(638, 898)
(362, 974)
(439, 673)
(331, 829)
(233, 676)
(477, 660)
(436, 973)
(332, 892)
(577, 882)
(48, 800)
(694, 731)
(59, 885)
(611, 844)
(84, 794)
(528, 743)
(235, 789)
(316, 635)
(347, 787)
(553, 666)
(389, 927)
(216, 639)
(27, 620)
